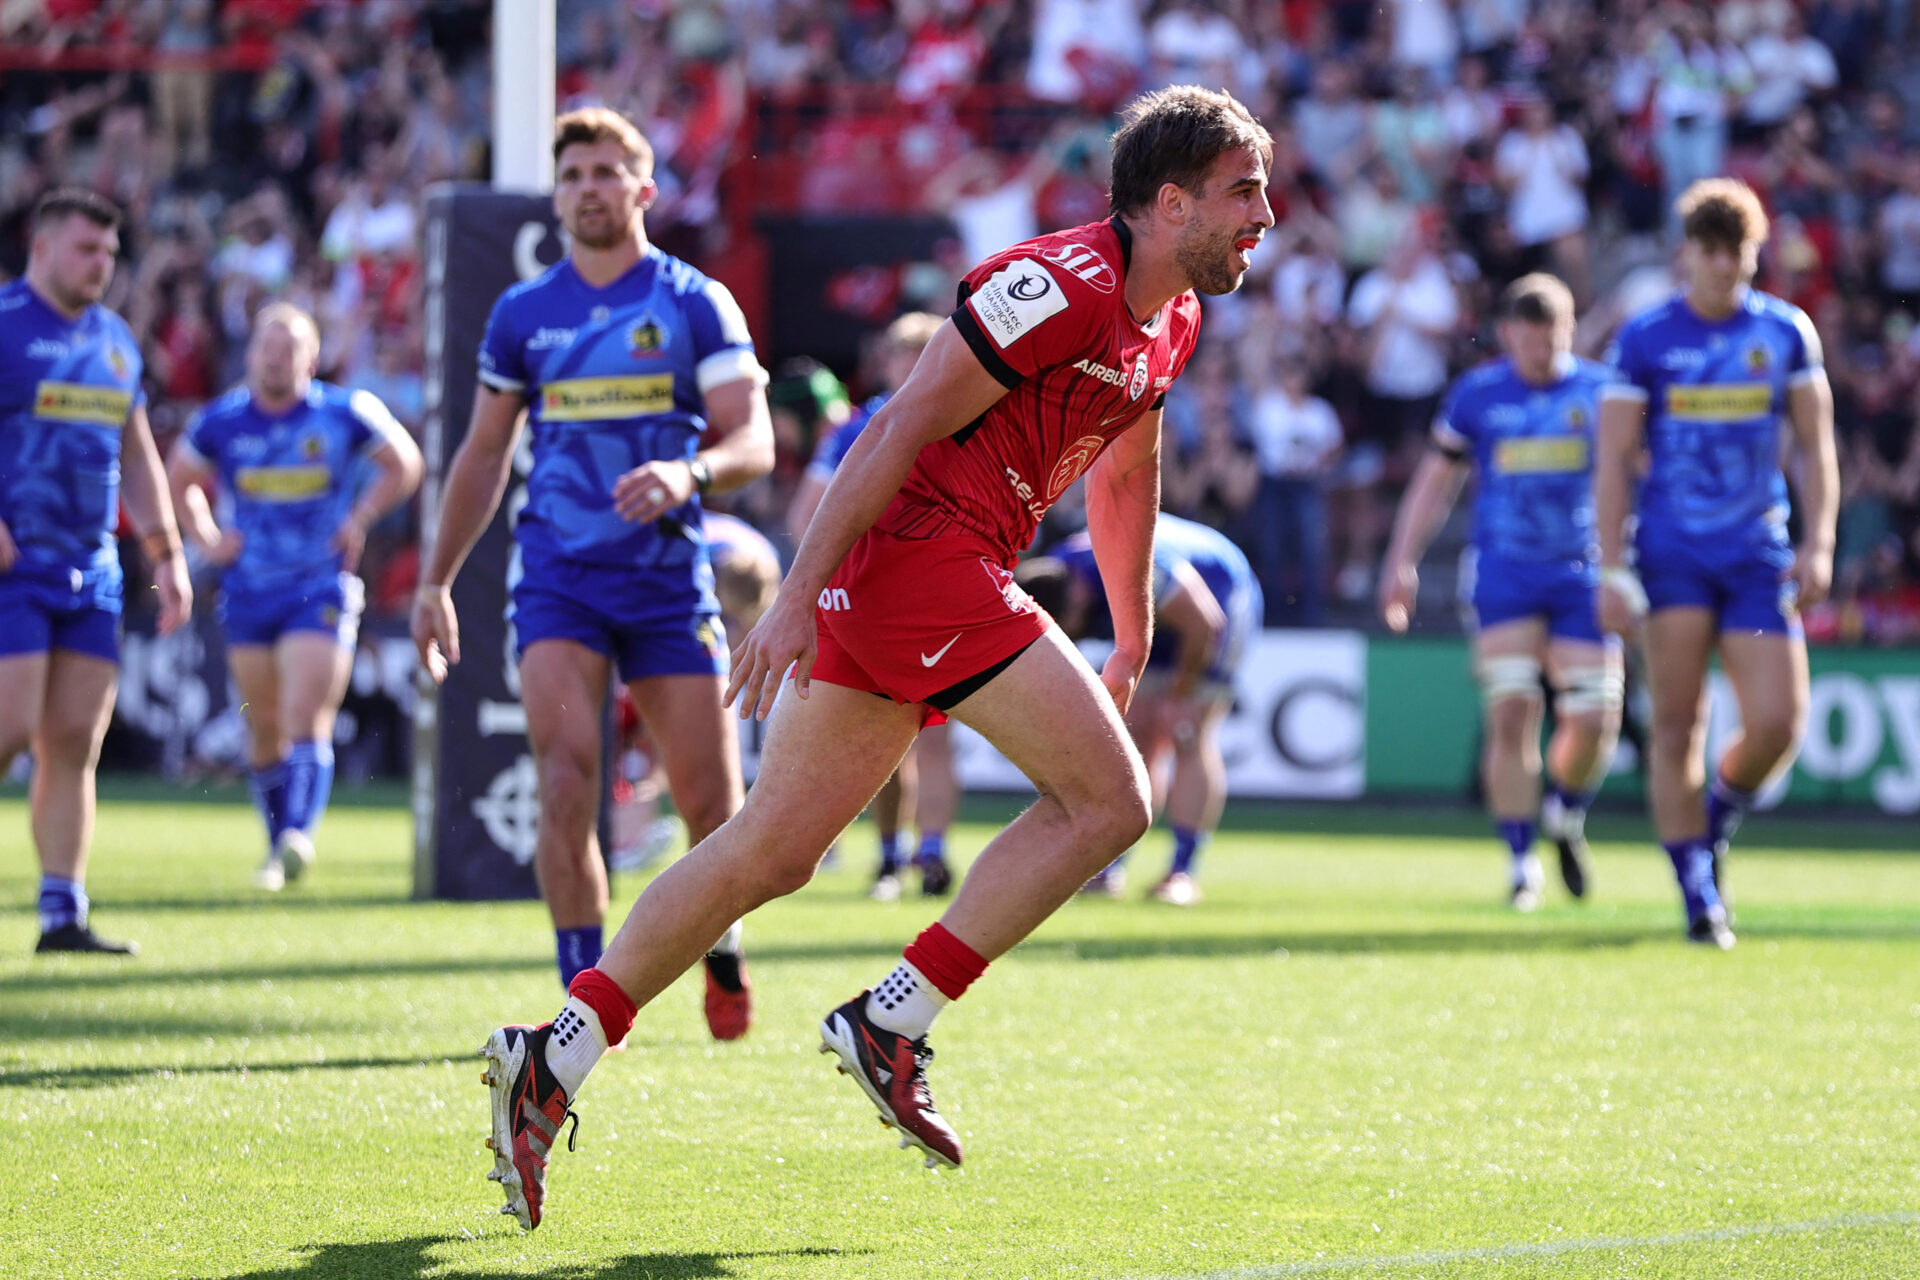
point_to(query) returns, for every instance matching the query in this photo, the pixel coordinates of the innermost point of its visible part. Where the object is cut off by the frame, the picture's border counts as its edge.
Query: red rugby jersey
(1049, 319)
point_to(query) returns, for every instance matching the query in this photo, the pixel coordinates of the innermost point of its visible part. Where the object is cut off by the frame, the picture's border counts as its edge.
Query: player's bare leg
(1508, 658)
(1769, 678)
(564, 688)
(23, 693)
(802, 798)
(1197, 794)
(935, 805)
(312, 669)
(893, 806)
(1053, 719)
(1588, 680)
(700, 753)
(1050, 716)
(256, 676)
(1680, 640)
(74, 712)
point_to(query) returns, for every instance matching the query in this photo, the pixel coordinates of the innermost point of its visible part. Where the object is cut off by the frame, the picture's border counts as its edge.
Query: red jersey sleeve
(1021, 315)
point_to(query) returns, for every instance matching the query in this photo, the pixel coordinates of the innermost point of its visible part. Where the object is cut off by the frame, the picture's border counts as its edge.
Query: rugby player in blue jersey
(1206, 605)
(638, 377)
(74, 447)
(924, 785)
(1706, 381)
(1524, 425)
(288, 449)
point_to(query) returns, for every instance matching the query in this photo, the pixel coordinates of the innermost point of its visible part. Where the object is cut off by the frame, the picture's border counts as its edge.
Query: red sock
(613, 1006)
(948, 963)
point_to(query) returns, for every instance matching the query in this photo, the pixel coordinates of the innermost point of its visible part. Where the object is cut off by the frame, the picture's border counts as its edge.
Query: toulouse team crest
(1139, 383)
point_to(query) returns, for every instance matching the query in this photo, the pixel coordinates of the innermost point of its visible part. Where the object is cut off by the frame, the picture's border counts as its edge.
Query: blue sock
(62, 902)
(309, 783)
(1726, 805)
(270, 798)
(1693, 867)
(933, 847)
(1573, 800)
(1518, 833)
(889, 852)
(1187, 844)
(578, 950)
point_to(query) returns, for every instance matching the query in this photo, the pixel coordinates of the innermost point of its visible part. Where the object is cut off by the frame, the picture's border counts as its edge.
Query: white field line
(1554, 1248)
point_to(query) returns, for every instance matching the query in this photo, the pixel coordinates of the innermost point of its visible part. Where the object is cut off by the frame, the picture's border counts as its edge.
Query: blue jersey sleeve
(722, 347)
(371, 426)
(1632, 372)
(1453, 425)
(1805, 357)
(503, 356)
(201, 439)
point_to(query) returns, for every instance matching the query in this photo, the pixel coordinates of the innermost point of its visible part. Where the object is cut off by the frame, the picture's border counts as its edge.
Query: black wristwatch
(701, 472)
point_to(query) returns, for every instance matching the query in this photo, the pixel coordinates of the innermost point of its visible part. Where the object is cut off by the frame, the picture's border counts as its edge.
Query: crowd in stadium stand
(1427, 151)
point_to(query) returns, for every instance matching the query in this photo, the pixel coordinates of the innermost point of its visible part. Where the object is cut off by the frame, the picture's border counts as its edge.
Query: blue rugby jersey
(1176, 541)
(833, 450)
(292, 477)
(1532, 447)
(67, 388)
(613, 378)
(1716, 396)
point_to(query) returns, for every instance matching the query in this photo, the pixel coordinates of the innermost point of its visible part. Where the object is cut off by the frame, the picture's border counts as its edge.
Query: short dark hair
(589, 125)
(1722, 213)
(62, 203)
(1174, 135)
(1538, 298)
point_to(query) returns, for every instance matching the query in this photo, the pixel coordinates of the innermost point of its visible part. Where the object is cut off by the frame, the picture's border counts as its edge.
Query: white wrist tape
(1625, 583)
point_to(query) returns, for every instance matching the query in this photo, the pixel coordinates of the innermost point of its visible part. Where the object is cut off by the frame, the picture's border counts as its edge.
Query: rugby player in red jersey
(900, 607)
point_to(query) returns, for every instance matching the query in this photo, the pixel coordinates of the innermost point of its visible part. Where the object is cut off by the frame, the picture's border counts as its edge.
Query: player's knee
(1775, 732)
(1510, 689)
(568, 784)
(1671, 735)
(1126, 811)
(1589, 695)
(1508, 721)
(705, 811)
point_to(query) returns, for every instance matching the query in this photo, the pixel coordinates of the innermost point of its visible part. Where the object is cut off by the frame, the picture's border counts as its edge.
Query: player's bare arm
(1123, 498)
(8, 551)
(1189, 610)
(475, 482)
(1430, 496)
(948, 389)
(738, 450)
(144, 492)
(1810, 412)
(189, 479)
(398, 466)
(1623, 421)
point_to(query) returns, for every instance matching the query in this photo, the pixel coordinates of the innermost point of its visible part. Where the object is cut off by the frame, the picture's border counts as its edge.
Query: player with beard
(74, 447)
(289, 449)
(639, 378)
(900, 607)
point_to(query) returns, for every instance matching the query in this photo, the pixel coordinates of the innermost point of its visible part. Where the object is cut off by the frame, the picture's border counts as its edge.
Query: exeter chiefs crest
(1758, 358)
(1577, 419)
(312, 447)
(647, 337)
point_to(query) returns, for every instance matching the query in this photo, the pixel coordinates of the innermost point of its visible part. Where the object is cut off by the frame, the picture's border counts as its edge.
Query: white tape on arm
(1625, 583)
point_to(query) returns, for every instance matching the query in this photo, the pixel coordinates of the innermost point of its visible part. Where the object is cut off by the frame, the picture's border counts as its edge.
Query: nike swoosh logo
(925, 661)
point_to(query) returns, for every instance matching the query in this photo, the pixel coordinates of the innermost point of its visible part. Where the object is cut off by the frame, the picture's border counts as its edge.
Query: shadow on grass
(116, 974)
(101, 1077)
(413, 1257)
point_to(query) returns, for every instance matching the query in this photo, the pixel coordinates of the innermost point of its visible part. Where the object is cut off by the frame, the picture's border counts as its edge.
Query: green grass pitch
(1350, 1060)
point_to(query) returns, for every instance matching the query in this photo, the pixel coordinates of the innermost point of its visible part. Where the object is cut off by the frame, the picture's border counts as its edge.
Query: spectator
(1409, 133)
(1789, 68)
(1086, 52)
(1330, 125)
(1697, 85)
(1897, 239)
(1192, 42)
(1404, 314)
(183, 88)
(1296, 437)
(1542, 165)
